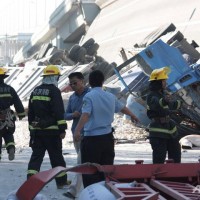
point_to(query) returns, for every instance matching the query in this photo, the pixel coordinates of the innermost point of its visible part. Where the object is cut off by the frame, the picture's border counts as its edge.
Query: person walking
(73, 112)
(47, 125)
(163, 132)
(97, 145)
(8, 97)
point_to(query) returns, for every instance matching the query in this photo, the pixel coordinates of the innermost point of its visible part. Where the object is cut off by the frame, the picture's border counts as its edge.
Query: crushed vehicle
(162, 49)
(82, 58)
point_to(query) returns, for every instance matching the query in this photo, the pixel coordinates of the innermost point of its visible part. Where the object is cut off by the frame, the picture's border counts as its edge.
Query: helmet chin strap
(53, 79)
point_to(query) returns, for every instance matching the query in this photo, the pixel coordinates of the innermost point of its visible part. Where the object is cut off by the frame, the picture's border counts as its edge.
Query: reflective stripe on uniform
(31, 171)
(5, 95)
(60, 122)
(179, 104)
(163, 130)
(41, 98)
(61, 174)
(38, 128)
(161, 103)
(9, 144)
(21, 114)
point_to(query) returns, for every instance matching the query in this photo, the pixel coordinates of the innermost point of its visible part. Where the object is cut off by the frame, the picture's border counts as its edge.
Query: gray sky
(24, 15)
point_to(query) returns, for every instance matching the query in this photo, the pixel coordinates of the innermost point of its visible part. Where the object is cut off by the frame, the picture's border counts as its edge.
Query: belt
(161, 120)
(108, 135)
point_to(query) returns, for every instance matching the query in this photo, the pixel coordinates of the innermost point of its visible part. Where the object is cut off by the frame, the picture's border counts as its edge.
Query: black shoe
(69, 195)
(11, 154)
(64, 186)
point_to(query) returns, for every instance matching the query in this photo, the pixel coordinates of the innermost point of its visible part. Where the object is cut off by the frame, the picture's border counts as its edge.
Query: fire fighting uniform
(46, 123)
(9, 97)
(163, 133)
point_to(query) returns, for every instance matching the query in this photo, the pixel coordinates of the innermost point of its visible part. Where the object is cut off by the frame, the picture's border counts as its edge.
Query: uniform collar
(86, 89)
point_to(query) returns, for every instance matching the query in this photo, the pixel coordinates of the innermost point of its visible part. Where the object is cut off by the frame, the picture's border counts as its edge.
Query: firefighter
(163, 134)
(47, 125)
(8, 97)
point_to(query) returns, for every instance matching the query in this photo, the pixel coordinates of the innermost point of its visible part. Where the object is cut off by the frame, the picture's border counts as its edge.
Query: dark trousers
(7, 134)
(161, 147)
(97, 149)
(53, 145)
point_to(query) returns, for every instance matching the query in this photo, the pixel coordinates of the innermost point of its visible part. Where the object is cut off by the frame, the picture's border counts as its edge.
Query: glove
(167, 98)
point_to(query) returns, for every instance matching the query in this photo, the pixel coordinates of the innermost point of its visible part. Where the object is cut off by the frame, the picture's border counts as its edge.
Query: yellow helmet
(3, 72)
(160, 74)
(51, 70)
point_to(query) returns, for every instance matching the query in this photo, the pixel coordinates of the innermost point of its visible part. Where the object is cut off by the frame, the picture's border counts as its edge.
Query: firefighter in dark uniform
(8, 97)
(47, 125)
(163, 133)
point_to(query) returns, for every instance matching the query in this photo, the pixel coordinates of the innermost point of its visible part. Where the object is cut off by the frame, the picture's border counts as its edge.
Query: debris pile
(127, 132)
(76, 55)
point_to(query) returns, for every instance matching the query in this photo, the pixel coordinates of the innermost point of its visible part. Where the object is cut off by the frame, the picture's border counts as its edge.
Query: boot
(64, 185)
(11, 153)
